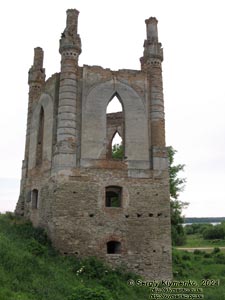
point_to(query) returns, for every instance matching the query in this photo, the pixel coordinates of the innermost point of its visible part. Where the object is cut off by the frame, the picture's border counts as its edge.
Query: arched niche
(93, 137)
(45, 103)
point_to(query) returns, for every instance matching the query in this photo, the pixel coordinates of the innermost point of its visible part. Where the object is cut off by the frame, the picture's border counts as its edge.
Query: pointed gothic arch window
(115, 129)
(114, 105)
(39, 153)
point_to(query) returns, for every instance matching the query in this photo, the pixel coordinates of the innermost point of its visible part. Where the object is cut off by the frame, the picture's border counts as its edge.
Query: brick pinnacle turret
(70, 49)
(36, 79)
(151, 64)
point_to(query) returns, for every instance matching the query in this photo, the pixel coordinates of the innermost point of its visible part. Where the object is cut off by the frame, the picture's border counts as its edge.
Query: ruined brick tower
(90, 203)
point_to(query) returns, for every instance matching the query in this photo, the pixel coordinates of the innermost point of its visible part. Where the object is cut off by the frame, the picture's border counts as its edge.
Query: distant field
(196, 240)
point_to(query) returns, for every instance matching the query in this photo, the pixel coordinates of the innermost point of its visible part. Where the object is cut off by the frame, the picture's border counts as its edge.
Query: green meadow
(30, 269)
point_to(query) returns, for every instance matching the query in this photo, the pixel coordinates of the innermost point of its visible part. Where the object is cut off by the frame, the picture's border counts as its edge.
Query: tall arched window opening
(115, 129)
(39, 154)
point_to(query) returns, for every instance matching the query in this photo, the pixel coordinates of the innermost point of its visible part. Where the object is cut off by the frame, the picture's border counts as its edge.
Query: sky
(192, 33)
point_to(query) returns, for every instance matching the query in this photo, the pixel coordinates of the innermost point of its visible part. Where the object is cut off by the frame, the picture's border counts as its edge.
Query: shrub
(216, 250)
(197, 252)
(92, 268)
(10, 215)
(215, 241)
(25, 229)
(84, 293)
(206, 261)
(121, 272)
(111, 282)
(222, 273)
(180, 273)
(186, 256)
(197, 228)
(188, 229)
(36, 248)
(181, 267)
(177, 259)
(178, 235)
(207, 255)
(204, 227)
(207, 275)
(216, 232)
(219, 258)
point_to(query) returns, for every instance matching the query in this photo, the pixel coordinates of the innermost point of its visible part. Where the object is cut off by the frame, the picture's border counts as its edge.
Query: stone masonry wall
(79, 223)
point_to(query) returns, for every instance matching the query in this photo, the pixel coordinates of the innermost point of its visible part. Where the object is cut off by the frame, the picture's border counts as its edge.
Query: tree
(117, 151)
(176, 186)
(214, 232)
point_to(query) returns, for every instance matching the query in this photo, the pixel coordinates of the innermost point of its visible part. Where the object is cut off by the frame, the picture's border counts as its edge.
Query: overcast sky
(192, 33)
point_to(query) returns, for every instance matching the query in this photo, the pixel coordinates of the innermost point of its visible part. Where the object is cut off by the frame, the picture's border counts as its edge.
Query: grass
(196, 240)
(201, 265)
(30, 269)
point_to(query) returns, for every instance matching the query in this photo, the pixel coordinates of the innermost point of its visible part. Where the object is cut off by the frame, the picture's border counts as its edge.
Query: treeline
(207, 231)
(204, 220)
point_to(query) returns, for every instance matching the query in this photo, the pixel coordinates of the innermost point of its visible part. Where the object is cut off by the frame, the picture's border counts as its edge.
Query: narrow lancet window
(34, 198)
(39, 154)
(115, 129)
